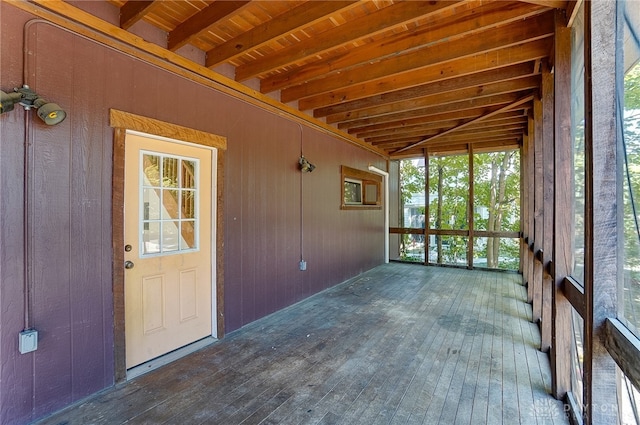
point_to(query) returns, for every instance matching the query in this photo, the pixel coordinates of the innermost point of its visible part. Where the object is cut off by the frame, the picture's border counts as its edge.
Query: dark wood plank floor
(401, 344)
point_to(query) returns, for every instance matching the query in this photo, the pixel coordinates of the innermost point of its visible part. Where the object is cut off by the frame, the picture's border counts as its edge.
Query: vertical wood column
(470, 208)
(547, 183)
(427, 224)
(117, 216)
(531, 183)
(601, 214)
(524, 215)
(538, 209)
(521, 267)
(562, 255)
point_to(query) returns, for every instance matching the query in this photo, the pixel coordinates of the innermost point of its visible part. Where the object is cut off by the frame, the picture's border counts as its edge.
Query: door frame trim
(121, 122)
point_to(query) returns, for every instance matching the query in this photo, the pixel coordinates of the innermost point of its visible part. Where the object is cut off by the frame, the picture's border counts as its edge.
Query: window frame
(366, 180)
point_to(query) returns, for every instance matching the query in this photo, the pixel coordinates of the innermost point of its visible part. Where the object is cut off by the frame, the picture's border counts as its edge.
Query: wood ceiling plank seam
(373, 23)
(407, 41)
(455, 68)
(513, 35)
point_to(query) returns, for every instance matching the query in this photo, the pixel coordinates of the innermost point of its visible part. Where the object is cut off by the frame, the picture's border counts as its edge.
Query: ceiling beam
(443, 120)
(299, 17)
(526, 83)
(437, 125)
(438, 72)
(441, 99)
(472, 80)
(554, 4)
(485, 102)
(133, 11)
(509, 36)
(198, 23)
(466, 21)
(506, 108)
(366, 26)
(77, 20)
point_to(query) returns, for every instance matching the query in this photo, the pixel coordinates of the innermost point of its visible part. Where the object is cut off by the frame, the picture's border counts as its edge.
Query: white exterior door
(169, 195)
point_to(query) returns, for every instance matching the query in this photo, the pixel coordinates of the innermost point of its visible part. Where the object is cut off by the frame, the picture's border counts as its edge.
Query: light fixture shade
(8, 100)
(305, 165)
(51, 113)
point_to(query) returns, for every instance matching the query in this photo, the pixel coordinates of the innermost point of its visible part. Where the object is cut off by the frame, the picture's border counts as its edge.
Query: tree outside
(496, 207)
(631, 186)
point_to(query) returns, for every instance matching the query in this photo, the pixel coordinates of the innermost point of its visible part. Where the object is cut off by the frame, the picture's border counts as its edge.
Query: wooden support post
(547, 183)
(470, 208)
(531, 183)
(537, 209)
(524, 216)
(522, 208)
(427, 224)
(601, 210)
(562, 255)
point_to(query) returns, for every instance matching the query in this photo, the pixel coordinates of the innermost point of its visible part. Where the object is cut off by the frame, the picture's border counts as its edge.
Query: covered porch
(400, 343)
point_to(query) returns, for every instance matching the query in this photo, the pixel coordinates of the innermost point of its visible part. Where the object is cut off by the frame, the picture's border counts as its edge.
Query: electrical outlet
(303, 265)
(28, 341)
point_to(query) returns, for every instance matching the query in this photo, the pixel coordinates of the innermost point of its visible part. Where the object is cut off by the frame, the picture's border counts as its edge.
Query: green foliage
(496, 206)
(412, 180)
(632, 171)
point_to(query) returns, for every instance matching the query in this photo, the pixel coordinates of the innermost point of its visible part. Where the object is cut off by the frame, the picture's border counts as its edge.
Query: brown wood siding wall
(72, 302)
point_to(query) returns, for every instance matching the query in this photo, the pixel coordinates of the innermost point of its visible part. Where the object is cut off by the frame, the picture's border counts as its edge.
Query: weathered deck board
(400, 344)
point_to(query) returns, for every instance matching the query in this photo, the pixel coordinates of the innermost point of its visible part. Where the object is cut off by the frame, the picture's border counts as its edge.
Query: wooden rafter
(509, 36)
(199, 23)
(469, 123)
(467, 23)
(133, 11)
(402, 70)
(296, 18)
(466, 81)
(366, 26)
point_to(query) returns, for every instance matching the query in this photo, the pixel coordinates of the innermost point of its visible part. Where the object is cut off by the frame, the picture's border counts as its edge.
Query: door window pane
(169, 203)
(151, 238)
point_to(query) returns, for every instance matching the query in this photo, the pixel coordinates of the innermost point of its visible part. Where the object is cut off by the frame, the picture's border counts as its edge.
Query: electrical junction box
(28, 341)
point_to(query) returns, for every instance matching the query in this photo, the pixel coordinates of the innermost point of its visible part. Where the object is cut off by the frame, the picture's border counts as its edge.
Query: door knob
(128, 264)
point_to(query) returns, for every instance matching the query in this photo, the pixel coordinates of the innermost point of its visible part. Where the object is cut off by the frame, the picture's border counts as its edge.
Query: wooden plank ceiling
(398, 75)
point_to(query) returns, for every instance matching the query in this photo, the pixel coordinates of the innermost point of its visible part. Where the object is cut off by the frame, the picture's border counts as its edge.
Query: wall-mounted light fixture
(305, 165)
(50, 113)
